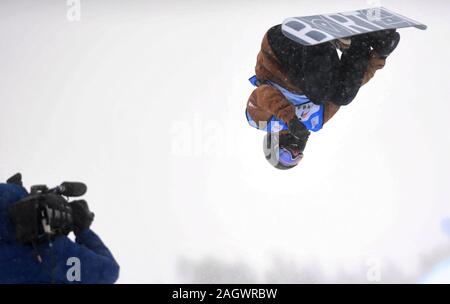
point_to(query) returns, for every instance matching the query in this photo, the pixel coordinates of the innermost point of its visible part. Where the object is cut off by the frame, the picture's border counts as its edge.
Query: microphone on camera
(72, 189)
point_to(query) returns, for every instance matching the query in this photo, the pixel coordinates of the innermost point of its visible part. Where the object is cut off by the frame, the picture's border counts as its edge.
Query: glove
(297, 129)
(359, 48)
(384, 42)
(360, 42)
(82, 216)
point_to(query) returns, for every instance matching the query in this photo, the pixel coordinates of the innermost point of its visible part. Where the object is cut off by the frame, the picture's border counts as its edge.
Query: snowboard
(313, 30)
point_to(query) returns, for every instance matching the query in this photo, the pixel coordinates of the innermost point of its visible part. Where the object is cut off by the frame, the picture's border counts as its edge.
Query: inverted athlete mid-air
(300, 88)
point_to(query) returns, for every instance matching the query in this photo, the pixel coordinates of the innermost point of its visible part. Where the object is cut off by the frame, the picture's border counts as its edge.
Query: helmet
(283, 150)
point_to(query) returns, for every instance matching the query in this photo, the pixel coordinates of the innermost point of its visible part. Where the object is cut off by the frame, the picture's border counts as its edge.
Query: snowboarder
(300, 88)
(19, 263)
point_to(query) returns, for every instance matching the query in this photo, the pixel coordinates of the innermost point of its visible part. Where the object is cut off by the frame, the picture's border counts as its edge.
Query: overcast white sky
(145, 100)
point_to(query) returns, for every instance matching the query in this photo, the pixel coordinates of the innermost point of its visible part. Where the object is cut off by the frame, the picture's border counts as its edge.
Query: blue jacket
(19, 265)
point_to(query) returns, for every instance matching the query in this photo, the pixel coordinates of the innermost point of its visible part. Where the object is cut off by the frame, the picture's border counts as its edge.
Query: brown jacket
(266, 101)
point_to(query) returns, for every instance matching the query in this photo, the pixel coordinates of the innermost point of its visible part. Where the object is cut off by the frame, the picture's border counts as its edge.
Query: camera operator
(58, 259)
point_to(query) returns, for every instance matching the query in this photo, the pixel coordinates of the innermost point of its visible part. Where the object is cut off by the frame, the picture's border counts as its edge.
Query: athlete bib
(310, 114)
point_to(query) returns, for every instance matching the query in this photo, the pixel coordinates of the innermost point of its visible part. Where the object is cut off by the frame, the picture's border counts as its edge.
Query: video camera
(46, 212)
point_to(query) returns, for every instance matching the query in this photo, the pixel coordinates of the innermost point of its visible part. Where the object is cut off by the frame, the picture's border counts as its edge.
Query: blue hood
(9, 194)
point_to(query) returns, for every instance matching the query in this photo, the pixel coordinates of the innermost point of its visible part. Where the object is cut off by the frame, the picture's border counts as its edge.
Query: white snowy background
(144, 101)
